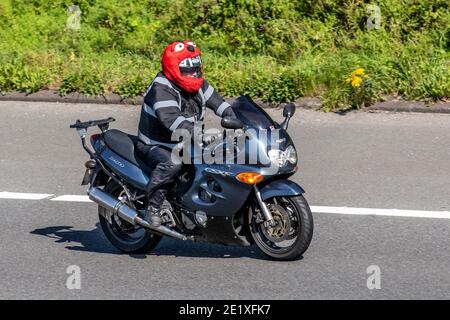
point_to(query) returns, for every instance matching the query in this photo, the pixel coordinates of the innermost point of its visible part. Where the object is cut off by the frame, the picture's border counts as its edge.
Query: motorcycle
(225, 203)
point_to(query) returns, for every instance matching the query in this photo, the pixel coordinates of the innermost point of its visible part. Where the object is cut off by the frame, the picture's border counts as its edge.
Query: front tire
(291, 236)
(121, 234)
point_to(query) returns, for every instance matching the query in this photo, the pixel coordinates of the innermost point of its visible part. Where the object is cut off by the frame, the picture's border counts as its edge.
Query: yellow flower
(72, 56)
(356, 82)
(357, 77)
(359, 72)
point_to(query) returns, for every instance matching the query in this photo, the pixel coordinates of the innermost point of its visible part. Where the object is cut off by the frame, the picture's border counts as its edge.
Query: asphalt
(366, 160)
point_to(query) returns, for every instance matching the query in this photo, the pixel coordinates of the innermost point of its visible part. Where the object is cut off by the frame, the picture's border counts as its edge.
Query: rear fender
(100, 178)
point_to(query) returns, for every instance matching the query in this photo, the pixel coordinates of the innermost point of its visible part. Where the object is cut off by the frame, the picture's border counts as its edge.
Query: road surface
(356, 168)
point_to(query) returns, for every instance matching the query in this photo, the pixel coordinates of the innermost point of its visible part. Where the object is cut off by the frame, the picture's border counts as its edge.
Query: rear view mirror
(289, 110)
(231, 123)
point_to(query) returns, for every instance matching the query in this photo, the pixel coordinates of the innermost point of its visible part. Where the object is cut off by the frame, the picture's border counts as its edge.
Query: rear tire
(122, 239)
(301, 226)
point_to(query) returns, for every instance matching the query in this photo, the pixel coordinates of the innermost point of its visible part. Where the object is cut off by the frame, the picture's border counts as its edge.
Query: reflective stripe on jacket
(167, 108)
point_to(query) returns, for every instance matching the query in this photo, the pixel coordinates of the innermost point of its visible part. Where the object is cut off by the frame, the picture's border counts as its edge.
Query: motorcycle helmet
(182, 64)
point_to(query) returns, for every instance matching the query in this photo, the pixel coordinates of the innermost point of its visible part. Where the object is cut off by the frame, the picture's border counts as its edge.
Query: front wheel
(292, 232)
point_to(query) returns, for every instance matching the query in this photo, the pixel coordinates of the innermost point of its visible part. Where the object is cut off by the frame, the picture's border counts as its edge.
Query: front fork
(268, 218)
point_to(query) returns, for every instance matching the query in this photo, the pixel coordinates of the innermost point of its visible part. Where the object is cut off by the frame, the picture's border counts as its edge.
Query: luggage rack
(103, 124)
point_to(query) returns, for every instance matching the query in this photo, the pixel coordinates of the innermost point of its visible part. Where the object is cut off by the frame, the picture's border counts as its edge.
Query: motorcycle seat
(123, 144)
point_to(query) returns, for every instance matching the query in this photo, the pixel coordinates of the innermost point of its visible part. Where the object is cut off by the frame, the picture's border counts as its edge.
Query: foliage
(274, 50)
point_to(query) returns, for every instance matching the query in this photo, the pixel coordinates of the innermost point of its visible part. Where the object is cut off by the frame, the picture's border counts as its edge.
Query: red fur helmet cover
(178, 54)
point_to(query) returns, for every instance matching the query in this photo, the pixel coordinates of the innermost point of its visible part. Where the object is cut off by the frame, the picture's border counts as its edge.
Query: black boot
(153, 216)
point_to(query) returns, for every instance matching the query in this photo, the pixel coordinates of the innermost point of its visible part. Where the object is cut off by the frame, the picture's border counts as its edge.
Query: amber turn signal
(250, 177)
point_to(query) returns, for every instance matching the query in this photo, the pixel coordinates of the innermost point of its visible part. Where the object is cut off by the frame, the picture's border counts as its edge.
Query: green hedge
(274, 50)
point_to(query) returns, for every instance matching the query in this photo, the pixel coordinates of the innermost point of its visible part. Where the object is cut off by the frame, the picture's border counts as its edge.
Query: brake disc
(280, 231)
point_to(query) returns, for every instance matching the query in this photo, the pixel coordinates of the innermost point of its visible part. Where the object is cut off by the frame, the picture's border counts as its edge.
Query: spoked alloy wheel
(122, 234)
(292, 232)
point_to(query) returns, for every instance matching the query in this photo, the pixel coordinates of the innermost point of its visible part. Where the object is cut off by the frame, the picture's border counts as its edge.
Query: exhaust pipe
(128, 214)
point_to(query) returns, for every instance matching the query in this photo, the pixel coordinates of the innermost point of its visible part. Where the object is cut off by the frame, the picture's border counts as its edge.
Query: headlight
(279, 157)
(291, 154)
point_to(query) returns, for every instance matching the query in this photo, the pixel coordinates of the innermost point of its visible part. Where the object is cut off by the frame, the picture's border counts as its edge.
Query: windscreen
(251, 114)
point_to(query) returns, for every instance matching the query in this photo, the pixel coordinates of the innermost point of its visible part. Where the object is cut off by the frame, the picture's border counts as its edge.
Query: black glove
(229, 113)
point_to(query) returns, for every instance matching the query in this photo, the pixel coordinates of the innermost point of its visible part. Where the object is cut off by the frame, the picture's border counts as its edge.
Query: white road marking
(315, 209)
(383, 212)
(24, 196)
(72, 198)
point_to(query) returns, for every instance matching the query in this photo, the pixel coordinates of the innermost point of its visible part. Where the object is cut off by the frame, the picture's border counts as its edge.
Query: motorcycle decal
(120, 164)
(219, 172)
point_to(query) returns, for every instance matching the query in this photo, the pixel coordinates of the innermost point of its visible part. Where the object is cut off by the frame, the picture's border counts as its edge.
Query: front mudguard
(286, 188)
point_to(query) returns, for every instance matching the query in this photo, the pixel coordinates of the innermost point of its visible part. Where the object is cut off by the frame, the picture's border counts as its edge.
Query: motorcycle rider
(176, 98)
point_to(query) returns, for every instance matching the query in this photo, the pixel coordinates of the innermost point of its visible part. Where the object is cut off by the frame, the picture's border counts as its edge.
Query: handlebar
(84, 125)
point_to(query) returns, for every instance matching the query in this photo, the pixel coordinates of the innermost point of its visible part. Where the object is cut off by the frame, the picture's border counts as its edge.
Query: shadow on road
(94, 241)
(179, 248)
(90, 241)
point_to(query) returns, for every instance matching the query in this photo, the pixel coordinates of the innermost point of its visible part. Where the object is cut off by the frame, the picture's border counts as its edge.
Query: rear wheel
(292, 233)
(123, 235)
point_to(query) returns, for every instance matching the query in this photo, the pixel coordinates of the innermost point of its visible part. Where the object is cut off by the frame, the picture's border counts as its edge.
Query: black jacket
(167, 108)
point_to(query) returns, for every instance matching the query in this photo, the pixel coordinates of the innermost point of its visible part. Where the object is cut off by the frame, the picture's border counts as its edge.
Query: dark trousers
(163, 174)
